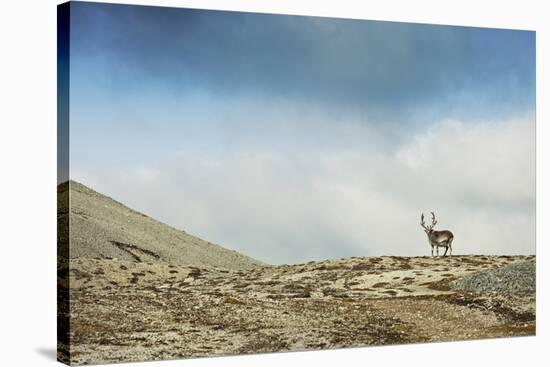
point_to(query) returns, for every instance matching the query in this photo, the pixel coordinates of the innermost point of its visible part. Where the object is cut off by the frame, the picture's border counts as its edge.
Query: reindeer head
(428, 229)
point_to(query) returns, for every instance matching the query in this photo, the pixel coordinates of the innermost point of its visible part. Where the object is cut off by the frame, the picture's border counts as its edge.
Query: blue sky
(273, 100)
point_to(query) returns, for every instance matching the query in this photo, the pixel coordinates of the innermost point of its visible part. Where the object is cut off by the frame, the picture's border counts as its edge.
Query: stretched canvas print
(235, 183)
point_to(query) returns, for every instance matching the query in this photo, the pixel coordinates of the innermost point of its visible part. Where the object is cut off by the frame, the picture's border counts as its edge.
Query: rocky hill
(101, 227)
(133, 311)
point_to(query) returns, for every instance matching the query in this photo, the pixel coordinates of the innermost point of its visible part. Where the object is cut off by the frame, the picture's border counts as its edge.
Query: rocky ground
(132, 311)
(103, 227)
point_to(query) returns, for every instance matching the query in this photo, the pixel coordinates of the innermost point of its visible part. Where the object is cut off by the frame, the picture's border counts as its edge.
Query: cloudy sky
(293, 139)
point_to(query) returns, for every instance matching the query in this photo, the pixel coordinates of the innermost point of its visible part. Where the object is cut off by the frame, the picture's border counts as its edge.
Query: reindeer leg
(437, 250)
(446, 248)
(432, 251)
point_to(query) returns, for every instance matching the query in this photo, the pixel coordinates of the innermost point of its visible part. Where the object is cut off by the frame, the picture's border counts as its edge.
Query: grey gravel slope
(515, 277)
(101, 227)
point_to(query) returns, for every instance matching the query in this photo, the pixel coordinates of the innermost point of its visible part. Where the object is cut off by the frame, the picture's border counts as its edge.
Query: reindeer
(437, 239)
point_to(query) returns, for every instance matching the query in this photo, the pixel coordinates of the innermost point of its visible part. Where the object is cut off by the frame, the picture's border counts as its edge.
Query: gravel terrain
(515, 277)
(102, 227)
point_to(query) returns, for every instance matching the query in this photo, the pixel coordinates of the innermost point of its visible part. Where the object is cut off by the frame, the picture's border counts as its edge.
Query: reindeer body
(438, 239)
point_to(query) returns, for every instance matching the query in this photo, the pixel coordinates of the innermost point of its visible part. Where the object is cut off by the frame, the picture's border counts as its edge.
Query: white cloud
(298, 205)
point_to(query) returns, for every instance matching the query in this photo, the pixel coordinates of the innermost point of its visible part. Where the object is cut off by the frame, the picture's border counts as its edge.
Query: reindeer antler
(422, 223)
(434, 222)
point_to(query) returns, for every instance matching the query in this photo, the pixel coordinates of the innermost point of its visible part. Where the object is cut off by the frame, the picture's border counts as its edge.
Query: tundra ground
(132, 311)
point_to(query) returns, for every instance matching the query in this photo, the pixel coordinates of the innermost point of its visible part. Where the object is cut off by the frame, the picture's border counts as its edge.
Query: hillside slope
(101, 227)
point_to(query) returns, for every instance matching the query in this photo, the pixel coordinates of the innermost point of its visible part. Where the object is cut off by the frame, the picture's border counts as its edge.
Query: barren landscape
(128, 311)
(138, 303)
(258, 182)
